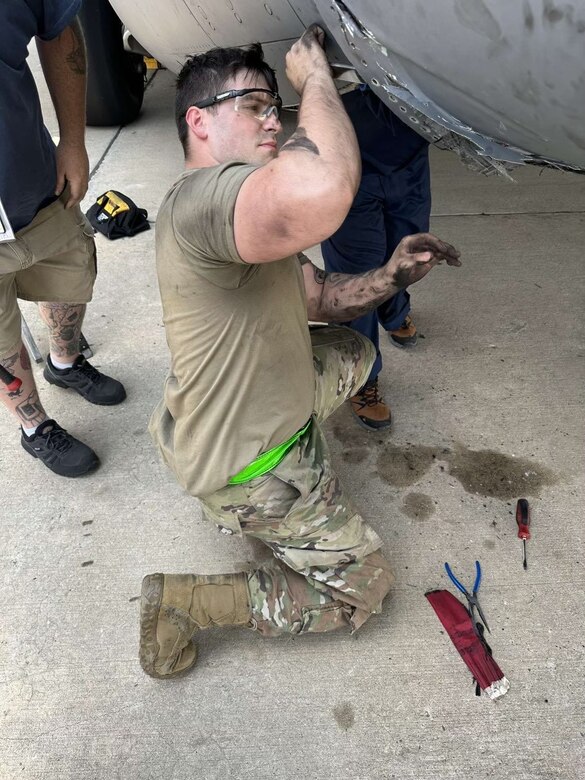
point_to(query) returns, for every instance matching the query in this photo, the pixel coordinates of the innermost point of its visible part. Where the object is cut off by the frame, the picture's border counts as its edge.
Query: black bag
(116, 216)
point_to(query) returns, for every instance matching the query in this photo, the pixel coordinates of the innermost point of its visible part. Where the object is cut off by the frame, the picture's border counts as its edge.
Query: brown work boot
(405, 335)
(369, 407)
(175, 606)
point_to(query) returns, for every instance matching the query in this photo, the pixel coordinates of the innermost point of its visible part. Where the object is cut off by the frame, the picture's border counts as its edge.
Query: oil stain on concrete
(491, 473)
(418, 506)
(403, 466)
(480, 472)
(355, 454)
(357, 445)
(344, 715)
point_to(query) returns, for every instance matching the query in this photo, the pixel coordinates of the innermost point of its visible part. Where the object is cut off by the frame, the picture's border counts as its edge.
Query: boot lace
(57, 439)
(91, 373)
(371, 394)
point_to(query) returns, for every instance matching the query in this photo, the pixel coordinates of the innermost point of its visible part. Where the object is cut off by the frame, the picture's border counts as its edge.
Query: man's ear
(196, 121)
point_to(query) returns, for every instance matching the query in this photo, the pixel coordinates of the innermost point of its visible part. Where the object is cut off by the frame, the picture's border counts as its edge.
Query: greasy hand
(72, 168)
(307, 58)
(415, 255)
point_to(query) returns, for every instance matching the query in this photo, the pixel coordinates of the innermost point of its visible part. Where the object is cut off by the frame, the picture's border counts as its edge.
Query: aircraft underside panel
(500, 87)
(501, 83)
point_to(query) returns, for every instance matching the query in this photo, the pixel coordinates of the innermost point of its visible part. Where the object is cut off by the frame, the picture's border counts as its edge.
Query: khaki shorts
(53, 259)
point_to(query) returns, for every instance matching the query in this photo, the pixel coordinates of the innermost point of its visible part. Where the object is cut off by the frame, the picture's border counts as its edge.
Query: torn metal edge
(392, 85)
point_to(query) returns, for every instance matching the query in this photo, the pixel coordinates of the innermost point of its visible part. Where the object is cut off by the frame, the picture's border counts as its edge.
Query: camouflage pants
(326, 572)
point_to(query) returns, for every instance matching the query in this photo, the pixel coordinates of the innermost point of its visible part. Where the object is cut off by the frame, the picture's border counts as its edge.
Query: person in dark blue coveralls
(393, 201)
(48, 255)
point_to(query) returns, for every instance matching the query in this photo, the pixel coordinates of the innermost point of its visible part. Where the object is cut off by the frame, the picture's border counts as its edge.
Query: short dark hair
(204, 75)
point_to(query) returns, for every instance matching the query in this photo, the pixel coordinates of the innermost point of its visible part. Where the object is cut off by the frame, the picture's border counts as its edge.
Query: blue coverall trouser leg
(385, 209)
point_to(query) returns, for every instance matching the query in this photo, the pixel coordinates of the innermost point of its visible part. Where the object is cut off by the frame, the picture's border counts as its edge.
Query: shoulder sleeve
(55, 16)
(203, 213)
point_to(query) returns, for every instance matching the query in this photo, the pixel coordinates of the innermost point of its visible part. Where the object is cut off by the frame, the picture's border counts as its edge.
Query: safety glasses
(254, 102)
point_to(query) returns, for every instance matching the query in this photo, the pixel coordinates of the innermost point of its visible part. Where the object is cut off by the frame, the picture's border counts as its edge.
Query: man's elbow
(340, 201)
(327, 204)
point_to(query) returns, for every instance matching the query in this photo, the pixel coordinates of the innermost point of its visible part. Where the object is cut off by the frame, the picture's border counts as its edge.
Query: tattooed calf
(30, 410)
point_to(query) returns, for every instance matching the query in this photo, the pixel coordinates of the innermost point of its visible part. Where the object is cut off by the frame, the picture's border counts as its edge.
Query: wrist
(319, 77)
(72, 141)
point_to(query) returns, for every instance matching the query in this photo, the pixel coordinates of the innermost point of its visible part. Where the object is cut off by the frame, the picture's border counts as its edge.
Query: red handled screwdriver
(523, 522)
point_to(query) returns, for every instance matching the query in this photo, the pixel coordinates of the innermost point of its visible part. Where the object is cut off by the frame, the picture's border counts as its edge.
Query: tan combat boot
(174, 606)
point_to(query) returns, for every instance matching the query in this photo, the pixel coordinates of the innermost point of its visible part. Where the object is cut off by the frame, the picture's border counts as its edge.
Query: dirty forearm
(341, 297)
(64, 66)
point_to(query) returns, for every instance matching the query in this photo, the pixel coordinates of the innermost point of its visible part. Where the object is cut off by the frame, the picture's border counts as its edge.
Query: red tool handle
(12, 382)
(523, 518)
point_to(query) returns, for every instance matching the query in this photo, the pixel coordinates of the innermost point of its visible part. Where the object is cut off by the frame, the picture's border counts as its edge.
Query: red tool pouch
(473, 649)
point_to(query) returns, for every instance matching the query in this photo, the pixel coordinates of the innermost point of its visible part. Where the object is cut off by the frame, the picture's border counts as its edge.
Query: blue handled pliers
(472, 599)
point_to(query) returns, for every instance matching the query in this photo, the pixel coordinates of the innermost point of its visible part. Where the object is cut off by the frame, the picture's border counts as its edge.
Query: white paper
(6, 233)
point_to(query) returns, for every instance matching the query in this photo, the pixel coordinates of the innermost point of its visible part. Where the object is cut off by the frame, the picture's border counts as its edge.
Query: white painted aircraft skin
(500, 82)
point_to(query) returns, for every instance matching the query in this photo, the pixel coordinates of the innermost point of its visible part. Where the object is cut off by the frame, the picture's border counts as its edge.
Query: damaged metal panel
(500, 82)
(499, 87)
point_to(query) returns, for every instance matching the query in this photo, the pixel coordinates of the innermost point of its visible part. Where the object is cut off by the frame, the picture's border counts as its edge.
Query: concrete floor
(487, 408)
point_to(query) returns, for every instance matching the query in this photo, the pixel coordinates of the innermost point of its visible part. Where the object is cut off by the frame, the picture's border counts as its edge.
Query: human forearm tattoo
(300, 141)
(75, 58)
(345, 297)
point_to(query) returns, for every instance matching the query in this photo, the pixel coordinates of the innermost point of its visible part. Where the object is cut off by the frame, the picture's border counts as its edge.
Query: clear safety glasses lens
(258, 105)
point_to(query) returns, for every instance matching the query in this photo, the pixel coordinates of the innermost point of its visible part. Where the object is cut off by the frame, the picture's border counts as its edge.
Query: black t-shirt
(27, 152)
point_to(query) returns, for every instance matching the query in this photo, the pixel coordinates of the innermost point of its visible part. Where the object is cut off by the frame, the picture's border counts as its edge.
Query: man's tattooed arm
(73, 39)
(335, 297)
(299, 141)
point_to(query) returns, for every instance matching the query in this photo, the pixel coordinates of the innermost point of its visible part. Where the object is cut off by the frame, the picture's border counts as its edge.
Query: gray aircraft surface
(500, 82)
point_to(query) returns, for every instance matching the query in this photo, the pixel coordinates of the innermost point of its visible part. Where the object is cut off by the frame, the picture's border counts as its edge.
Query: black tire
(115, 77)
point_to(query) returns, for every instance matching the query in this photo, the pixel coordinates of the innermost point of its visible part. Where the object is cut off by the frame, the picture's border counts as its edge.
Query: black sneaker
(95, 387)
(59, 450)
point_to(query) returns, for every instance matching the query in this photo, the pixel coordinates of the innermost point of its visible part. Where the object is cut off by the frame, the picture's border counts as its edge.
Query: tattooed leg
(64, 321)
(23, 403)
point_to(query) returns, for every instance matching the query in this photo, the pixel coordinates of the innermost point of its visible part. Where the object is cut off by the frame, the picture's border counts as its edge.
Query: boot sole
(403, 344)
(58, 383)
(370, 428)
(150, 601)
(385, 427)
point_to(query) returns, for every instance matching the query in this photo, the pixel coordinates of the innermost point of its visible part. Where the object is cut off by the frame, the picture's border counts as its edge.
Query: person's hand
(307, 57)
(415, 255)
(72, 169)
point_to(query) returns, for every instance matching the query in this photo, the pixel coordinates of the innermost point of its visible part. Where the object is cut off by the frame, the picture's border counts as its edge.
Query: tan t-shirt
(241, 378)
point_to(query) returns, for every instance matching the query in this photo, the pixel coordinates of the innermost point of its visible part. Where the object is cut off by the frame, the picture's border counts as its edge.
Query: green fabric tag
(267, 460)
